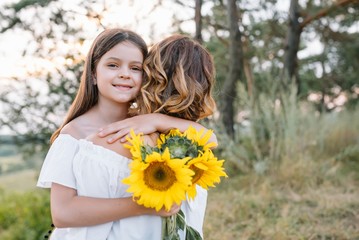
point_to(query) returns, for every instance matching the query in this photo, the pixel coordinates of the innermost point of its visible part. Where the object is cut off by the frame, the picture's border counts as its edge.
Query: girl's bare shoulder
(117, 146)
(75, 129)
(72, 128)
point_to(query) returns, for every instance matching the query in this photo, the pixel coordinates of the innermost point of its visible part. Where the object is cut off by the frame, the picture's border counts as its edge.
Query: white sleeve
(194, 210)
(57, 166)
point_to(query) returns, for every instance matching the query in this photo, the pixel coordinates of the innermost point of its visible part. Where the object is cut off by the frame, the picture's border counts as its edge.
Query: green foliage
(277, 126)
(26, 3)
(47, 92)
(349, 154)
(24, 216)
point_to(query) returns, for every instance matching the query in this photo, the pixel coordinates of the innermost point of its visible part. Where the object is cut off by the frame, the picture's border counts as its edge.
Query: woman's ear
(94, 80)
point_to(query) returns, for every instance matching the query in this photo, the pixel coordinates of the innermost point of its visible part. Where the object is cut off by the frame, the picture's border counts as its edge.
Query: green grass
(24, 216)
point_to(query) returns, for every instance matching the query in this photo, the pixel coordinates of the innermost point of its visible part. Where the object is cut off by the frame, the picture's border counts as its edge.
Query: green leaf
(192, 234)
(180, 219)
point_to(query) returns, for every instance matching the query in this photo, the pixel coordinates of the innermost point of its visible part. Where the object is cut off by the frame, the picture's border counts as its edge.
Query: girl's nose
(124, 74)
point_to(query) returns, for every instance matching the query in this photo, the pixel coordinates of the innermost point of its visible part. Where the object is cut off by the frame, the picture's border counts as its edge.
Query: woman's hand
(146, 124)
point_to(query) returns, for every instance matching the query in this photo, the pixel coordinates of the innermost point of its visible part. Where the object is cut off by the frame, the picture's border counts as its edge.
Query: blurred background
(287, 119)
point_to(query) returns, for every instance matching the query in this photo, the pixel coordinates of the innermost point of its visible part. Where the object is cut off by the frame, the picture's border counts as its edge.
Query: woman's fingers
(109, 129)
(120, 135)
(119, 129)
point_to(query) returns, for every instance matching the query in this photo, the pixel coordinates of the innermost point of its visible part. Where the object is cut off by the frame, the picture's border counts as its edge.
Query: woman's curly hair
(179, 77)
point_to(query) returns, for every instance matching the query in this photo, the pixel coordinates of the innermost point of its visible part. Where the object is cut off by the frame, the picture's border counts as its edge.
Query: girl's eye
(136, 68)
(112, 65)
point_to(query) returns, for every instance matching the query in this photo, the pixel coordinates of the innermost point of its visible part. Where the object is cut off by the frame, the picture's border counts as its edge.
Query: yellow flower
(136, 145)
(164, 137)
(191, 134)
(159, 181)
(196, 137)
(208, 170)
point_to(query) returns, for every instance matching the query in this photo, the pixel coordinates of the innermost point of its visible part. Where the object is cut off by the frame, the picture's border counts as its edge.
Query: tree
(299, 20)
(198, 21)
(292, 45)
(49, 31)
(235, 68)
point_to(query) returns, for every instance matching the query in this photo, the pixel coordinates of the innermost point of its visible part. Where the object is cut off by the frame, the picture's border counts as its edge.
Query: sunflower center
(197, 174)
(159, 176)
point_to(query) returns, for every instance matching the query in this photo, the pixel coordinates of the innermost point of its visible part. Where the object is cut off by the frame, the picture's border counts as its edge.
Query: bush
(24, 216)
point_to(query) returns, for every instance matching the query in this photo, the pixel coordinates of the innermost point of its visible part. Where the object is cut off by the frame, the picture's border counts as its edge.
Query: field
(21, 181)
(306, 200)
(19, 170)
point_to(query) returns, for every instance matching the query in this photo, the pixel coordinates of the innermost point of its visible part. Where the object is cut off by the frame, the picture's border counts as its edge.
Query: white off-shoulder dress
(95, 171)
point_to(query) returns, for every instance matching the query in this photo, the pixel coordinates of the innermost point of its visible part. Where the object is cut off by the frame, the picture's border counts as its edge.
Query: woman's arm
(70, 210)
(147, 124)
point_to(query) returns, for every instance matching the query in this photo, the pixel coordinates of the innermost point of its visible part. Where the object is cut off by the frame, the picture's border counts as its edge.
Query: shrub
(24, 216)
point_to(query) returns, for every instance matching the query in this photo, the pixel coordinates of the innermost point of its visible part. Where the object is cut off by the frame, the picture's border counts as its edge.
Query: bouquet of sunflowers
(167, 173)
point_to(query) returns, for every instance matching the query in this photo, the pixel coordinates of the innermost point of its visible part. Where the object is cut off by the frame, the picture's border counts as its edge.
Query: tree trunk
(235, 69)
(198, 21)
(292, 45)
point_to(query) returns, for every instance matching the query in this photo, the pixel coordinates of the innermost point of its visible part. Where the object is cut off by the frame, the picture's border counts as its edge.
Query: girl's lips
(122, 87)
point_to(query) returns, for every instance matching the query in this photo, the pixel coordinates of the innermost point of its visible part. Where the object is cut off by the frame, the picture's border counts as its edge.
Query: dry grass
(302, 200)
(20, 181)
(7, 161)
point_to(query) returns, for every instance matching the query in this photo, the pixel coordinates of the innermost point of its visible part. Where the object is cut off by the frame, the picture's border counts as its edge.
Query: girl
(86, 195)
(178, 82)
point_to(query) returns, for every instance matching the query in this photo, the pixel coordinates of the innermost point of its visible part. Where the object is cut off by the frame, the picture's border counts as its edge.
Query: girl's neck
(109, 113)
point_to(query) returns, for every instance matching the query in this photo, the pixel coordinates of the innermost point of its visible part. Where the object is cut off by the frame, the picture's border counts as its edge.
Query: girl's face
(119, 73)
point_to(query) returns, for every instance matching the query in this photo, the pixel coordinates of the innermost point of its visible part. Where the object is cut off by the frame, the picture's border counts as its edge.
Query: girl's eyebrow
(118, 59)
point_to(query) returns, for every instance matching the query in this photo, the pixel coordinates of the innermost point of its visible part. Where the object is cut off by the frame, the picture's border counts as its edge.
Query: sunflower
(202, 141)
(191, 143)
(159, 181)
(164, 175)
(208, 170)
(136, 145)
